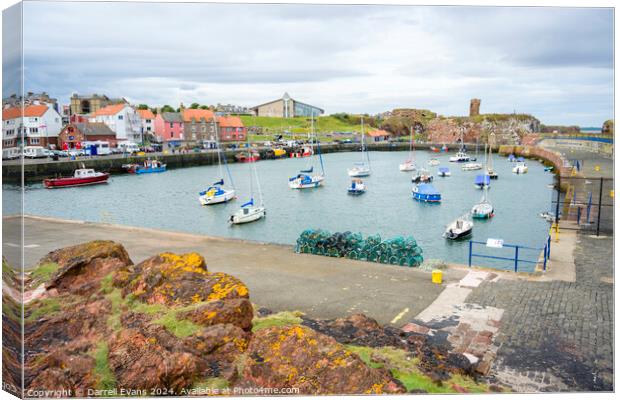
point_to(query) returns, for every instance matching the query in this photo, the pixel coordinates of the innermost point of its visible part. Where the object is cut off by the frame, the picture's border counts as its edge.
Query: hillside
(325, 125)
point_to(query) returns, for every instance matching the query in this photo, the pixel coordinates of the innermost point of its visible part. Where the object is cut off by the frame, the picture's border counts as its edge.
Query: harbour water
(169, 201)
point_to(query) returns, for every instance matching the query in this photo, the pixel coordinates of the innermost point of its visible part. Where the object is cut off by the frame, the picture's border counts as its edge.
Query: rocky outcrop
(299, 357)
(98, 323)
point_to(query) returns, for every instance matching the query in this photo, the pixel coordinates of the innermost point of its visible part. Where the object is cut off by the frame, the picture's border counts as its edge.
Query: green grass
(178, 327)
(280, 319)
(48, 306)
(211, 383)
(43, 273)
(301, 125)
(405, 368)
(105, 377)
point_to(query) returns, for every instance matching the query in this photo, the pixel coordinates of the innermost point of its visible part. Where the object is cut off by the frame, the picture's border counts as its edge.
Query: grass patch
(48, 306)
(178, 327)
(116, 299)
(105, 377)
(43, 273)
(280, 319)
(405, 368)
(211, 384)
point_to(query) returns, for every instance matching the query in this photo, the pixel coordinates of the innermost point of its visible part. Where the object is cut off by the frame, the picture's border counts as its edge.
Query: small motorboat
(422, 176)
(357, 187)
(443, 171)
(520, 168)
(305, 151)
(148, 167)
(426, 192)
(433, 162)
(460, 157)
(460, 228)
(248, 213)
(216, 194)
(471, 166)
(492, 174)
(360, 169)
(81, 177)
(482, 181)
(305, 181)
(512, 158)
(444, 148)
(548, 169)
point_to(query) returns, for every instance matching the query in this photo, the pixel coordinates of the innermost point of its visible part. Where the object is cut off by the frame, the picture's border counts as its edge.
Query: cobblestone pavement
(557, 336)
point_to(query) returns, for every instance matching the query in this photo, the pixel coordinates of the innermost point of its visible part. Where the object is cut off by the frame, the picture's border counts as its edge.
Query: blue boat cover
(520, 159)
(511, 157)
(305, 179)
(483, 180)
(444, 169)
(309, 170)
(427, 188)
(249, 203)
(220, 182)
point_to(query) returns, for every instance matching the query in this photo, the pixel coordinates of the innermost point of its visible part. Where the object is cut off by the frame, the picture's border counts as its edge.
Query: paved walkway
(557, 335)
(279, 279)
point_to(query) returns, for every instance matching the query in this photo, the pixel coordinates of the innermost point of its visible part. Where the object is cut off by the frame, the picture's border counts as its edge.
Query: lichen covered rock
(296, 356)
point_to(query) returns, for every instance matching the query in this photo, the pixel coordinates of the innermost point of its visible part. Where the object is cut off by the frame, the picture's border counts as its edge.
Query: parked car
(35, 152)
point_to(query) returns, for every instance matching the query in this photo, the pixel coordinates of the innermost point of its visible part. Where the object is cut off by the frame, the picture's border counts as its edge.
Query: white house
(147, 119)
(39, 126)
(122, 119)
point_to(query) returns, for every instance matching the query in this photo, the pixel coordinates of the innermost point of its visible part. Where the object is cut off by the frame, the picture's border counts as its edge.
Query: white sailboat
(250, 212)
(217, 193)
(484, 209)
(410, 164)
(307, 178)
(461, 155)
(361, 169)
(490, 171)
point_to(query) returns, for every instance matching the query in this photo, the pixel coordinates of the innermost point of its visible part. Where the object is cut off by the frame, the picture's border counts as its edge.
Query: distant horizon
(550, 62)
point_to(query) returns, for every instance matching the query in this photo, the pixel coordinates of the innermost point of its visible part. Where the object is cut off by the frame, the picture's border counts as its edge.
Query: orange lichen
(227, 287)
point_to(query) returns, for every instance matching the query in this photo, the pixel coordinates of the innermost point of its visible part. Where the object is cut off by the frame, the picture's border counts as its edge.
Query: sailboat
(490, 172)
(410, 164)
(249, 211)
(461, 155)
(472, 166)
(306, 179)
(484, 209)
(216, 193)
(361, 168)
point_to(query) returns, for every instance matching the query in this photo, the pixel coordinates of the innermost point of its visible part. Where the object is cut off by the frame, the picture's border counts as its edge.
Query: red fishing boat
(81, 177)
(246, 157)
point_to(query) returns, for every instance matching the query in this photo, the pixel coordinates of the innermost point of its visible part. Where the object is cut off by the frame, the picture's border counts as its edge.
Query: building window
(148, 121)
(34, 130)
(193, 129)
(120, 117)
(34, 140)
(171, 125)
(204, 128)
(148, 128)
(171, 134)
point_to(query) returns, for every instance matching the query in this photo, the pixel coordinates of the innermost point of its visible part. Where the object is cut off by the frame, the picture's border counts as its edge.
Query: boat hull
(299, 184)
(140, 171)
(406, 167)
(253, 214)
(358, 173)
(518, 170)
(458, 235)
(72, 182)
(207, 200)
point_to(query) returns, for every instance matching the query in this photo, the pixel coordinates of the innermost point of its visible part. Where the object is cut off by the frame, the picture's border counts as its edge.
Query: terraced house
(198, 125)
(231, 129)
(169, 126)
(122, 119)
(39, 126)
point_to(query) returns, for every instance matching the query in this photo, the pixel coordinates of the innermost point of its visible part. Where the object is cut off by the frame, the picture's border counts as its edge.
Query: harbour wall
(37, 170)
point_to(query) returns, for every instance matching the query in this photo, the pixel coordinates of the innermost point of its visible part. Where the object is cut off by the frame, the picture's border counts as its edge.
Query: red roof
(196, 114)
(109, 110)
(29, 111)
(379, 132)
(146, 114)
(233, 122)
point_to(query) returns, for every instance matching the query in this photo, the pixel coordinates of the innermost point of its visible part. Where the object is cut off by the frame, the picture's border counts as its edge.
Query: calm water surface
(169, 201)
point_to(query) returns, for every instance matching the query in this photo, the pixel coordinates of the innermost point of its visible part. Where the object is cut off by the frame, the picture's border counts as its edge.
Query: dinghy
(409, 164)
(249, 212)
(361, 168)
(433, 162)
(471, 166)
(460, 228)
(357, 187)
(443, 171)
(425, 192)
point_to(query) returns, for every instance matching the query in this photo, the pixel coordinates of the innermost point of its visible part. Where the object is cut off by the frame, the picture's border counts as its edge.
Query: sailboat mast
(362, 118)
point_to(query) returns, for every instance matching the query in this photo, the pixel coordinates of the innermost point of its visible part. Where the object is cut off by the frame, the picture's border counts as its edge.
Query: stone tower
(474, 107)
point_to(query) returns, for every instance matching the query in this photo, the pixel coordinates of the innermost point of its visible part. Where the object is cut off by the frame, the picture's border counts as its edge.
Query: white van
(10, 153)
(128, 147)
(35, 152)
(100, 147)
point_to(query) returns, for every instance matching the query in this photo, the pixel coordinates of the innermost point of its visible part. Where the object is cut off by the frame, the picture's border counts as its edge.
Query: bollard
(436, 276)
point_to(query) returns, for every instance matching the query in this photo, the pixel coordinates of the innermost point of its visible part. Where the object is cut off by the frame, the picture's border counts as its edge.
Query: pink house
(169, 126)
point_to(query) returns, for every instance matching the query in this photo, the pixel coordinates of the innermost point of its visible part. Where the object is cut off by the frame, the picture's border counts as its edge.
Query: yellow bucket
(437, 274)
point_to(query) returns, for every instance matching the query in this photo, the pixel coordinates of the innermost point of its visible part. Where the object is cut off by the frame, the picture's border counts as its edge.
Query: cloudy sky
(555, 63)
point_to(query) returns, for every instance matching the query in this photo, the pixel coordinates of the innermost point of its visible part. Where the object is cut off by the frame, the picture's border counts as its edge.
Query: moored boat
(357, 187)
(248, 213)
(409, 164)
(362, 168)
(216, 194)
(425, 192)
(304, 179)
(422, 176)
(482, 210)
(245, 157)
(471, 166)
(148, 167)
(520, 168)
(81, 177)
(433, 162)
(482, 181)
(460, 157)
(460, 228)
(443, 171)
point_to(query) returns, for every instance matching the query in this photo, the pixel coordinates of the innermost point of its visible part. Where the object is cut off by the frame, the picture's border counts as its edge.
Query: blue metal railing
(515, 260)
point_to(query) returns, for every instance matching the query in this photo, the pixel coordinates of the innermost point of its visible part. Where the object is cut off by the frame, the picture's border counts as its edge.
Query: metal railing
(515, 259)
